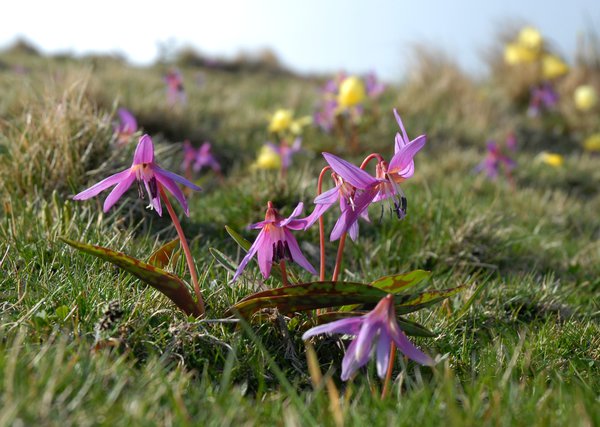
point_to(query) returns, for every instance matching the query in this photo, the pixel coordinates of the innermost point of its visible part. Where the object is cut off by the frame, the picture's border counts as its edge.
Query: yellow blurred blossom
(352, 92)
(268, 158)
(592, 143)
(515, 53)
(552, 159)
(281, 120)
(553, 67)
(530, 38)
(585, 97)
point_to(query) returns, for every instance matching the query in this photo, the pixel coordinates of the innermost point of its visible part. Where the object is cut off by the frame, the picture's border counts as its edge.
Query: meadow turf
(521, 344)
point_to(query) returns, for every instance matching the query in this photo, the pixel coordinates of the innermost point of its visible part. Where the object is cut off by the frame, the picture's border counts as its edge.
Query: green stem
(185, 247)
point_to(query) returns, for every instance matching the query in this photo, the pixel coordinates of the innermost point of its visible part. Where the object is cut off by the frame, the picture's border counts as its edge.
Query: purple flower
(376, 329)
(126, 126)
(286, 152)
(175, 91)
(196, 159)
(543, 97)
(324, 117)
(511, 142)
(354, 189)
(374, 87)
(493, 160)
(275, 242)
(145, 171)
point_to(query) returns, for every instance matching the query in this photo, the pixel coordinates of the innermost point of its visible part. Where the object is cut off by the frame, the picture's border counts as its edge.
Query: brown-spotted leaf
(308, 296)
(161, 257)
(167, 283)
(408, 326)
(397, 283)
(409, 303)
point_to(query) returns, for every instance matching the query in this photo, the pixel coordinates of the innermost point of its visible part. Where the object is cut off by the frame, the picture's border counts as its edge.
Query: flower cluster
(194, 159)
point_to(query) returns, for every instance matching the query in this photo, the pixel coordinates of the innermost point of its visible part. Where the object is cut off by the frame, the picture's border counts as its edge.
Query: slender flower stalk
(377, 330)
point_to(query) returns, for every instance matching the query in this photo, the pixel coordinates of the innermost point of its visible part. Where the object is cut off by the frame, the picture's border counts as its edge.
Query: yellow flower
(530, 38)
(352, 92)
(268, 158)
(585, 97)
(281, 120)
(592, 143)
(553, 66)
(552, 159)
(515, 53)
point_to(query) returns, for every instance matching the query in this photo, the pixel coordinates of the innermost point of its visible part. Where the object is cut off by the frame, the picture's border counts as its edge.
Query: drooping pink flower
(286, 151)
(196, 159)
(275, 242)
(126, 126)
(543, 98)
(377, 330)
(493, 160)
(145, 170)
(175, 90)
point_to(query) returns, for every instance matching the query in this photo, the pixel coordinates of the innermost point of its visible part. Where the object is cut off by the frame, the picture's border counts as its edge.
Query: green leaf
(408, 326)
(308, 296)
(223, 259)
(168, 284)
(161, 257)
(397, 283)
(409, 303)
(62, 312)
(244, 244)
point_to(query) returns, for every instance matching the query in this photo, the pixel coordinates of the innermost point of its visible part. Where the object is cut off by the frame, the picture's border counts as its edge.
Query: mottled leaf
(409, 303)
(161, 257)
(167, 283)
(397, 283)
(308, 296)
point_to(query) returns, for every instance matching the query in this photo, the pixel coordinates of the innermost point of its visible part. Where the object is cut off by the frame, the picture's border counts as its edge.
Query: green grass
(526, 351)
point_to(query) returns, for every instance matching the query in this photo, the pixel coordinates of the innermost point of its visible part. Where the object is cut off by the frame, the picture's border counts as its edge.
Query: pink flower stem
(284, 275)
(388, 375)
(369, 158)
(338, 258)
(185, 247)
(322, 226)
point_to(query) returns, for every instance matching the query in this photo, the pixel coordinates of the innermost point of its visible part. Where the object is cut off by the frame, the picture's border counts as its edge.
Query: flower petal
(102, 185)
(399, 120)
(257, 245)
(170, 185)
(118, 192)
(315, 215)
(176, 178)
(350, 326)
(351, 363)
(383, 353)
(265, 253)
(297, 254)
(144, 152)
(351, 173)
(406, 154)
(128, 122)
(297, 211)
(328, 197)
(350, 216)
(406, 347)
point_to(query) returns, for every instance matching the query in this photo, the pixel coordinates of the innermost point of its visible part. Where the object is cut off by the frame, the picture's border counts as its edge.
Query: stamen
(153, 186)
(287, 252)
(140, 190)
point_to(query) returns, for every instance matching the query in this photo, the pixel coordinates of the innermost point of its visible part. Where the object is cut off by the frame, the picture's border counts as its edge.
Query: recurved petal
(258, 243)
(144, 152)
(351, 173)
(297, 211)
(297, 254)
(170, 185)
(315, 215)
(118, 192)
(349, 326)
(406, 154)
(406, 347)
(351, 363)
(328, 197)
(399, 120)
(102, 185)
(176, 178)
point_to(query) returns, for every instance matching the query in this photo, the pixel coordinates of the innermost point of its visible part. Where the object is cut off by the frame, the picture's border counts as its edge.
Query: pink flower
(275, 242)
(494, 159)
(374, 87)
(286, 152)
(126, 126)
(375, 330)
(196, 159)
(175, 91)
(145, 171)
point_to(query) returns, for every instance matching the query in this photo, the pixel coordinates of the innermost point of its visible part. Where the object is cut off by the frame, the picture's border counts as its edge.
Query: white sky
(308, 35)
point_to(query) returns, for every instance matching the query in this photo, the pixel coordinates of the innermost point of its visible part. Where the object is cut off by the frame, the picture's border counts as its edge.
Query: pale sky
(308, 35)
